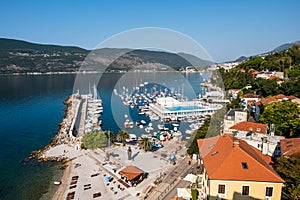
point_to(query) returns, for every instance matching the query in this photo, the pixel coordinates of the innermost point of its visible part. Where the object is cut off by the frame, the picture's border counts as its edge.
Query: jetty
(82, 114)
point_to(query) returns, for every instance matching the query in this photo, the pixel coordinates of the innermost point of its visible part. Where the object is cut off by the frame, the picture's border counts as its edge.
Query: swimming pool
(180, 108)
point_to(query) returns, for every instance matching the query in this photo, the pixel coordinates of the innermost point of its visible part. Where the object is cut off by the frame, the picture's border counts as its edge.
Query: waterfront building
(232, 169)
(170, 108)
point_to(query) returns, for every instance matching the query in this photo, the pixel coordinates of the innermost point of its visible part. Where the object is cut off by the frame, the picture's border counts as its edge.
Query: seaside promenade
(84, 176)
(168, 187)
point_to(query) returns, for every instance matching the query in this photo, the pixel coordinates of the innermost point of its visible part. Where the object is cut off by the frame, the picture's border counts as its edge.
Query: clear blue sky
(226, 29)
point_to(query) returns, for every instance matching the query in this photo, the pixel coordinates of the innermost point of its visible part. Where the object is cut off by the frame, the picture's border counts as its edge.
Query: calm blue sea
(31, 108)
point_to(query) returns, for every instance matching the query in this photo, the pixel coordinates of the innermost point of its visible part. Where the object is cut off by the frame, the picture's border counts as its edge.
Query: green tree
(192, 144)
(285, 117)
(265, 87)
(236, 103)
(94, 140)
(145, 144)
(291, 87)
(122, 136)
(288, 169)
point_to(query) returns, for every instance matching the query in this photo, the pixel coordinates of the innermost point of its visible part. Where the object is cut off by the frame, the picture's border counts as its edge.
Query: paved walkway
(174, 175)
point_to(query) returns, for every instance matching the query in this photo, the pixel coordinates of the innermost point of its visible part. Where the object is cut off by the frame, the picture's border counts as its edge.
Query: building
(290, 146)
(232, 169)
(234, 93)
(132, 174)
(247, 98)
(256, 135)
(170, 108)
(233, 117)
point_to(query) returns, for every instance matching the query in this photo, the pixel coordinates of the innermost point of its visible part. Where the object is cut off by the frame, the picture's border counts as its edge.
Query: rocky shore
(63, 135)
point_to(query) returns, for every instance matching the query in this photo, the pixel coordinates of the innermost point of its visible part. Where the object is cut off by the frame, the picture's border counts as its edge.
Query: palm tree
(122, 135)
(145, 144)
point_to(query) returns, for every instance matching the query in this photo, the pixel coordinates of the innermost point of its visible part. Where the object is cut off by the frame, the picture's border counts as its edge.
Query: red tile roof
(131, 172)
(251, 126)
(235, 90)
(248, 95)
(269, 100)
(290, 146)
(292, 97)
(224, 160)
(280, 96)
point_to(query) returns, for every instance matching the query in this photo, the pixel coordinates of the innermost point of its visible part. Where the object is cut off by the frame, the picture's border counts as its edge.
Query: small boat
(57, 182)
(157, 145)
(128, 124)
(141, 113)
(143, 121)
(141, 126)
(160, 126)
(148, 129)
(189, 132)
(132, 138)
(177, 134)
(175, 125)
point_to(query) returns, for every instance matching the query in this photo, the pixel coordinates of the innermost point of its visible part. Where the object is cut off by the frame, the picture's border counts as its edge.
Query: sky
(226, 29)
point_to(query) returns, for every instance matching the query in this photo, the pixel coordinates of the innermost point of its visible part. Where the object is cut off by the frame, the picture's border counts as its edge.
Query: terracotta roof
(251, 126)
(290, 146)
(228, 158)
(292, 97)
(251, 101)
(176, 198)
(280, 96)
(273, 77)
(248, 95)
(269, 100)
(131, 172)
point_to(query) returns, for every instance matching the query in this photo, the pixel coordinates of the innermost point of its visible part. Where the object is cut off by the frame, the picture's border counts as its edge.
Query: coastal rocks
(64, 134)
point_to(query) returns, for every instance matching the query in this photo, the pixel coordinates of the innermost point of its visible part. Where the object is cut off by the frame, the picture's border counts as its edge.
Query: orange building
(235, 170)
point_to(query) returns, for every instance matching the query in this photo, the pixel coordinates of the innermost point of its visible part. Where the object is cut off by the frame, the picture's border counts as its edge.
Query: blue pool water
(181, 108)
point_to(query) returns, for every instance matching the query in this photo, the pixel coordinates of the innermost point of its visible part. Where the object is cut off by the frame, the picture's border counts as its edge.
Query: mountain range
(18, 56)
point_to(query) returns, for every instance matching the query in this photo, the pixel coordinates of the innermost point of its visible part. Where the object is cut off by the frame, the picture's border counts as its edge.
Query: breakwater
(64, 134)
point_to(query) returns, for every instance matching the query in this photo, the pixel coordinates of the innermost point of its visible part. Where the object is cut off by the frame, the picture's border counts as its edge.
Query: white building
(233, 117)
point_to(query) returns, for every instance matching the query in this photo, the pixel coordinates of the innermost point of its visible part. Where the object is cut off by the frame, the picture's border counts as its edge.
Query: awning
(131, 172)
(184, 193)
(191, 178)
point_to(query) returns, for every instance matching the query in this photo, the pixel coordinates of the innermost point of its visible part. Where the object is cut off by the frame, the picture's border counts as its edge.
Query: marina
(157, 110)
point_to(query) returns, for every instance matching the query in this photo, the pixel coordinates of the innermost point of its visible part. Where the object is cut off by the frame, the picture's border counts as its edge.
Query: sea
(31, 108)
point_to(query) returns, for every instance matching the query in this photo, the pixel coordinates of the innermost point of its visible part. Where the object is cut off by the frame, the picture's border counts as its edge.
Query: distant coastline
(211, 68)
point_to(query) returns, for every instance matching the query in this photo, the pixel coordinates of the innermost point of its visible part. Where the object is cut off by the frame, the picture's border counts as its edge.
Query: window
(269, 191)
(221, 189)
(245, 190)
(244, 165)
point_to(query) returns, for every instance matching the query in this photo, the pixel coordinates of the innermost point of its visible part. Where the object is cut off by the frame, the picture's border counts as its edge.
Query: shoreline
(105, 72)
(61, 137)
(60, 190)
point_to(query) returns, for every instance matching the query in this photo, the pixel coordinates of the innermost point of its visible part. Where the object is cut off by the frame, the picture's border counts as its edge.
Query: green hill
(18, 56)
